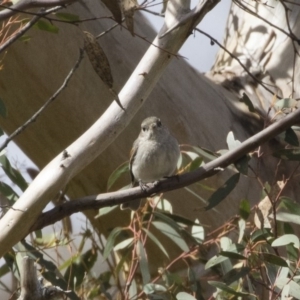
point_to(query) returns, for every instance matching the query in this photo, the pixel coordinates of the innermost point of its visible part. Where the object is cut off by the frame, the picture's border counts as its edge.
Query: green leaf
(13, 174)
(8, 192)
(3, 111)
(242, 165)
(215, 260)
(115, 175)
(245, 209)
(286, 240)
(151, 288)
(246, 100)
(287, 217)
(286, 103)
(196, 163)
(288, 154)
(111, 241)
(294, 290)
(170, 232)
(260, 235)
(290, 205)
(165, 216)
(156, 241)
(67, 17)
(274, 259)
(224, 287)
(232, 143)
(220, 194)
(76, 272)
(184, 296)
(232, 255)
(124, 244)
(235, 274)
(105, 210)
(198, 232)
(291, 137)
(24, 38)
(46, 26)
(143, 262)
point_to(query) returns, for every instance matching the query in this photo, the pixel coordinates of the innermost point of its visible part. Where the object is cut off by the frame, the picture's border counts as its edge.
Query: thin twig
(26, 27)
(50, 100)
(237, 59)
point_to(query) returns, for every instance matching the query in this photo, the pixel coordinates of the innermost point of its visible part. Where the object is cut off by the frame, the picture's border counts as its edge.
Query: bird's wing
(132, 156)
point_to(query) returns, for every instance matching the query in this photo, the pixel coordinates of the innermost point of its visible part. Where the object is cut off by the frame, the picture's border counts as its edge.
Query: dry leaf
(128, 8)
(99, 62)
(261, 216)
(114, 7)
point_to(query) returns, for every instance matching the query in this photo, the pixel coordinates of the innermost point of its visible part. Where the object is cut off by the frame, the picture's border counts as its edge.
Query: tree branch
(16, 224)
(175, 182)
(22, 5)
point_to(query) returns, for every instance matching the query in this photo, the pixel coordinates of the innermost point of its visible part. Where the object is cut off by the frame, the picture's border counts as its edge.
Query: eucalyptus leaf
(173, 234)
(156, 241)
(111, 241)
(184, 296)
(286, 240)
(220, 194)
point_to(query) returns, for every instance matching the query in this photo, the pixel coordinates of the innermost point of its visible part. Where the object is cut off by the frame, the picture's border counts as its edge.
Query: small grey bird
(154, 155)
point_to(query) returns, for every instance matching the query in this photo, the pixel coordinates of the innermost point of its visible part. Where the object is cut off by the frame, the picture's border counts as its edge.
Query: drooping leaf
(115, 9)
(290, 205)
(13, 174)
(261, 235)
(242, 165)
(124, 244)
(98, 59)
(224, 287)
(196, 163)
(291, 137)
(143, 263)
(198, 232)
(8, 192)
(288, 154)
(156, 241)
(116, 174)
(46, 26)
(286, 240)
(235, 274)
(246, 100)
(220, 194)
(274, 259)
(105, 210)
(110, 243)
(76, 272)
(171, 233)
(287, 217)
(100, 63)
(128, 8)
(67, 17)
(215, 260)
(232, 255)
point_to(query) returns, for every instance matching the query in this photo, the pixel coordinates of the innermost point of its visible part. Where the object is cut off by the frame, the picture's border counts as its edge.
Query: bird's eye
(144, 128)
(158, 123)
